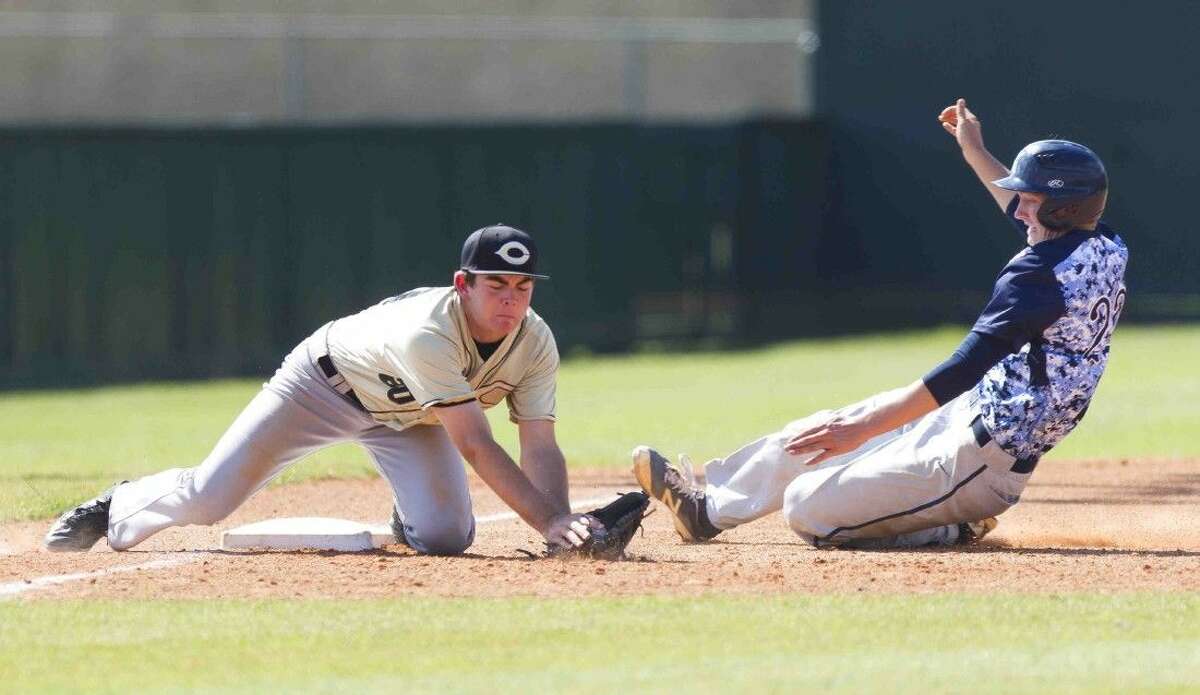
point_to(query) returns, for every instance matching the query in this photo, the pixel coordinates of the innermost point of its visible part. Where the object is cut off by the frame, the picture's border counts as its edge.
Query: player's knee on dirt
(440, 539)
(810, 513)
(796, 513)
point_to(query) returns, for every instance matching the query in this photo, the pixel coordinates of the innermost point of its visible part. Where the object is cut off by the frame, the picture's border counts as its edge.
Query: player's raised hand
(831, 434)
(959, 121)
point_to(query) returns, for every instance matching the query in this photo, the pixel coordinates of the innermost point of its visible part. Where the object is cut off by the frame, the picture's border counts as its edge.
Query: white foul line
(16, 588)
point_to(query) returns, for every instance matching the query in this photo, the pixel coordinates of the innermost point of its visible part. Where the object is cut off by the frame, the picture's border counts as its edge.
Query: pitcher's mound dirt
(1081, 526)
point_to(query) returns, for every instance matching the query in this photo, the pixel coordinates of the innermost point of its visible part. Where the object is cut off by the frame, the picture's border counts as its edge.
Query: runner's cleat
(677, 490)
(971, 532)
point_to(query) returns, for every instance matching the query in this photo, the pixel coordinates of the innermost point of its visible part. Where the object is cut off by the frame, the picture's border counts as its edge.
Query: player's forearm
(501, 474)
(546, 469)
(984, 164)
(988, 169)
(897, 407)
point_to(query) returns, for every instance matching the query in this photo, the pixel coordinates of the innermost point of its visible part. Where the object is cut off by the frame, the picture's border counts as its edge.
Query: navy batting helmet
(1071, 177)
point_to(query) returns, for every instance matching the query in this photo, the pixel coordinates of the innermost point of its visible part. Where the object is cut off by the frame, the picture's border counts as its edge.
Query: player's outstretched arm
(838, 433)
(959, 121)
(543, 462)
(468, 428)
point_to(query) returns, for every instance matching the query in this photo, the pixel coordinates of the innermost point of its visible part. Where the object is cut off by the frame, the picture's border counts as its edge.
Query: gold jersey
(412, 352)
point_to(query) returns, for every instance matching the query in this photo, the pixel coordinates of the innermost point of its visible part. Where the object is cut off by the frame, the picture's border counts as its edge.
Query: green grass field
(57, 447)
(846, 644)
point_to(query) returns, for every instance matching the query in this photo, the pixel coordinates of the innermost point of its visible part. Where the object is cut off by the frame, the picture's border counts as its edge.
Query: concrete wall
(222, 61)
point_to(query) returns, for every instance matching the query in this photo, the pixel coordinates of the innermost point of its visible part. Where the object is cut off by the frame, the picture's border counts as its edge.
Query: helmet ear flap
(1067, 214)
(1058, 217)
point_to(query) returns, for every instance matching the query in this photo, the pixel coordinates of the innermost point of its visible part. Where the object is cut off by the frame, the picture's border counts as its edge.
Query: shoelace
(685, 467)
(86, 509)
(73, 520)
(683, 484)
(683, 479)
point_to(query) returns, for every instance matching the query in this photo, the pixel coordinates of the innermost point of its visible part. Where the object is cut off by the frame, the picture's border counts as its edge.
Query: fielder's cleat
(80, 528)
(398, 528)
(971, 532)
(682, 496)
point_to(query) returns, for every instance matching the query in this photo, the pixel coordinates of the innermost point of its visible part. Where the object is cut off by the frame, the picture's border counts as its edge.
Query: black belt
(982, 437)
(338, 382)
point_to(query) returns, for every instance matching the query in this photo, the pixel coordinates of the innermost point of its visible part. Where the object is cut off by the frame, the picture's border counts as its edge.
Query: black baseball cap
(500, 250)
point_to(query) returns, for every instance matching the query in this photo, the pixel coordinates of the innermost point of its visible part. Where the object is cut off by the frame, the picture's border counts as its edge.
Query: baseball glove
(620, 518)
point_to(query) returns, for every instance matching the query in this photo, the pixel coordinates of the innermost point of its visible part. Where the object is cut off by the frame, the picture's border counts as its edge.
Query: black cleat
(683, 497)
(398, 528)
(80, 528)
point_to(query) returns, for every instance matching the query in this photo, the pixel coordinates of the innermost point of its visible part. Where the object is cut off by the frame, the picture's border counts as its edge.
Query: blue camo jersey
(1056, 304)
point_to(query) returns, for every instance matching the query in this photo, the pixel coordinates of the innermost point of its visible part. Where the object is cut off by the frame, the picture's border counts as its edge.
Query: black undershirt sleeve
(977, 353)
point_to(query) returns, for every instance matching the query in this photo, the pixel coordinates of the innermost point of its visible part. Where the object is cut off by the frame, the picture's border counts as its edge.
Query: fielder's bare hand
(959, 121)
(832, 434)
(570, 530)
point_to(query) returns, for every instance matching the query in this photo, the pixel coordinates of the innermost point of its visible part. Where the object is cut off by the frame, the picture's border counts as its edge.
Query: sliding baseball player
(935, 461)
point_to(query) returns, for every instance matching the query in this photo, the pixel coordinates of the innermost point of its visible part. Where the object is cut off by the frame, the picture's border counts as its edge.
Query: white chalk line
(15, 588)
(11, 589)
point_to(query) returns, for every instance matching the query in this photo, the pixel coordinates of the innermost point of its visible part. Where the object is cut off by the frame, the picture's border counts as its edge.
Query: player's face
(497, 303)
(1027, 209)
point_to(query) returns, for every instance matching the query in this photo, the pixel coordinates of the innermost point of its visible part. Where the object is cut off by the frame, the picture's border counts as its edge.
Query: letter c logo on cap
(514, 253)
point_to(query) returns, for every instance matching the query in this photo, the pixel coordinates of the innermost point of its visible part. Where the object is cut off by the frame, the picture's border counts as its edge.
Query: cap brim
(504, 272)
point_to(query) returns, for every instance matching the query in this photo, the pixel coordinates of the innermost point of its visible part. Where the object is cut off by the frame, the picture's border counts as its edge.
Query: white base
(308, 533)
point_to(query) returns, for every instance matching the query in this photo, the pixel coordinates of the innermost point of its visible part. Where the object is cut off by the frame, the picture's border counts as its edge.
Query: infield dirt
(1091, 526)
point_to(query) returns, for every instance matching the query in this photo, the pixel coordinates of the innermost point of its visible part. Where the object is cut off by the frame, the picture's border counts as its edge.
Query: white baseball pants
(295, 414)
(905, 488)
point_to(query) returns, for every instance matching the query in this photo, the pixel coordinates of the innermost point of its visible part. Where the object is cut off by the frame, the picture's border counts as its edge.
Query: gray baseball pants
(909, 487)
(295, 414)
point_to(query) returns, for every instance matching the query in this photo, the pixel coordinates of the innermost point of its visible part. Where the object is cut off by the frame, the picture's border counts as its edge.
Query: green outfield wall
(129, 254)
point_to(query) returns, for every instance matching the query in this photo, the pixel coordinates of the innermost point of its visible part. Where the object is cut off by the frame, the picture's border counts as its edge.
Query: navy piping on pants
(914, 510)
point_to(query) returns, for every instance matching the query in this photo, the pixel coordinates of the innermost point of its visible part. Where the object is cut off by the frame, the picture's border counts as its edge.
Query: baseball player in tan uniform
(407, 379)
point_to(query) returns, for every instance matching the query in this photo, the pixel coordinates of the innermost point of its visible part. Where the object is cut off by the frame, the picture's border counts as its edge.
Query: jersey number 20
(397, 391)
